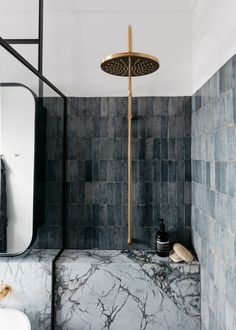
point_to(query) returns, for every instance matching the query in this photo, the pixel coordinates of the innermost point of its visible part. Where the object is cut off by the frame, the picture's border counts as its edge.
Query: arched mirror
(17, 149)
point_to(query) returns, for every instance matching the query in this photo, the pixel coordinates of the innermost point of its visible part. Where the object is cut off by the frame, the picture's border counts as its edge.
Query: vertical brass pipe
(130, 141)
(129, 64)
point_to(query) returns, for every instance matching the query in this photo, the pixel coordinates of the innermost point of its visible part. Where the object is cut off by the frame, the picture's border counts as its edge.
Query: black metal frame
(42, 79)
(38, 41)
(5, 43)
(21, 59)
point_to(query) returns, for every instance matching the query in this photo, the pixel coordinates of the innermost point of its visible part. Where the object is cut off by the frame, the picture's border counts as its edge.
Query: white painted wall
(214, 37)
(74, 63)
(17, 137)
(78, 34)
(192, 38)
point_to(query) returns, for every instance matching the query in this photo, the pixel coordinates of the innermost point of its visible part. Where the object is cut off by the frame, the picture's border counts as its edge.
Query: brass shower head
(130, 64)
(118, 64)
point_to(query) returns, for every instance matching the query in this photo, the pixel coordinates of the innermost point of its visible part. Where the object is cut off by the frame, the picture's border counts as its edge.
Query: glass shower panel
(32, 168)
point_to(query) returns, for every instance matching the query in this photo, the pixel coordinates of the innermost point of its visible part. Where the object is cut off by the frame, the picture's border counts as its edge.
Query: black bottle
(162, 241)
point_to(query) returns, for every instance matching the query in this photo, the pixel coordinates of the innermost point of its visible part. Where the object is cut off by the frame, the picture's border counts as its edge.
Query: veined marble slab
(117, 290)
(30, 276)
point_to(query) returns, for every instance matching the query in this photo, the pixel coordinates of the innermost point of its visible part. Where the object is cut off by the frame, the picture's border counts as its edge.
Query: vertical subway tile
(77, 192)
(156, 122)
(208, 174)
(187, 170)
(118, 193)
(187, 193)
(164, 106)
(142, 215)
(95, 148)
(156, 193)
(221, 177)
(226, 76)
(164, 148)
(149, 126)
(88, 170)
(141, 148)
(95, 170)
(231, 172)
(164, 126)
(142, 127)
(172, 149)
(119, 218)
(149, 215)
(215, 85)
(149, 193)
(164, 171)
(157, 106)
(111, 215)
(171, 171)
(110, 129)
(156, 170)
(142, 193)
(134, 128)
(103, 170)
(103, 215)
(234, 102)
(96, 221)
(117, 151)
(149, 171)
(172, 127)
(187, 148)
(164, 193)
(88, 193)
(149, 148)
(98, 155)
(179, 129)
(172, 193)
(88, 215)
(104, 107)
(172, 107)
(156, 148)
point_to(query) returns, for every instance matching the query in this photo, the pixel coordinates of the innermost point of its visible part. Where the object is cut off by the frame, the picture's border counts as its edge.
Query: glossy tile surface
(214, 195)
(96, 181)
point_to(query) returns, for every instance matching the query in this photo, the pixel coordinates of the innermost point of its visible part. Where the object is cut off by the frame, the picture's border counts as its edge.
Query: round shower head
(141, 64)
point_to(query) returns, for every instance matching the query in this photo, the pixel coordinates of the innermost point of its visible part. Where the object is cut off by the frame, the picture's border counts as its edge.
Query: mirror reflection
(17, 140)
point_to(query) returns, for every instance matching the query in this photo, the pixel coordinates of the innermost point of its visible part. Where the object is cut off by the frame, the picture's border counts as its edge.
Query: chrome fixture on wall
(130, 64)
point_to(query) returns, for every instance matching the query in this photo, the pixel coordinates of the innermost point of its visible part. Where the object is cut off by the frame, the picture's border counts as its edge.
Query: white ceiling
(102, 5)
(79, 33)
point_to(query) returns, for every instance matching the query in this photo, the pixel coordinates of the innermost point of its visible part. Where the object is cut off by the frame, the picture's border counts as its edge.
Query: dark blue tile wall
(49, 234)
(96, 178)
(214, 195)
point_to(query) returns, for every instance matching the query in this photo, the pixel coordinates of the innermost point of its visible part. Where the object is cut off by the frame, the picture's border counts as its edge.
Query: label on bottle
(163, 247)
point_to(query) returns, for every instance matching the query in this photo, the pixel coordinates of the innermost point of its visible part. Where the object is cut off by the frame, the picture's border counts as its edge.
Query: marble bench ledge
(30, 276)
(110, 289)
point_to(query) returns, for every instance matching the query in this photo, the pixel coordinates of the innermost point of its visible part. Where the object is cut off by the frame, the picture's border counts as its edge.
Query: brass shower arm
(130, 39)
